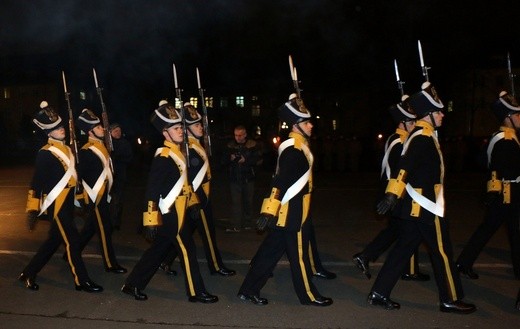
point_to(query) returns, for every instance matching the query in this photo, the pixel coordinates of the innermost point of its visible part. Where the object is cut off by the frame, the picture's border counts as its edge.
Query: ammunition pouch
(33, 203)
(397, 185)
(494, 185)
(152, 217)
(271, 205)
(284, 211)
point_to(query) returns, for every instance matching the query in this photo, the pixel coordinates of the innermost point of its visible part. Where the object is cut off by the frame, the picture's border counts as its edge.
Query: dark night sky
(240, 46)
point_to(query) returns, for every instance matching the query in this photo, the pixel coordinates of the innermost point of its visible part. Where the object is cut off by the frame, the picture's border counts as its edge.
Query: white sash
(300, 183)
(197, 181)
(105, 174)
(166, 203)
(384, 165)
(58, 188)
(436, 208)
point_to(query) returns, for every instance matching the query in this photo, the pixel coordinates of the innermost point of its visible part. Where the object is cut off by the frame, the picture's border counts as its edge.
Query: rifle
(400, 83)
(423, 67)
(183, 114)
(294, 77)
(104, 116)
(205, 123)
(511, 75)
(72, 133)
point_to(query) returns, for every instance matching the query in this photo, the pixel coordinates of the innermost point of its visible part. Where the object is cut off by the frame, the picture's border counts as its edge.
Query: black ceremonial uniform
(387, 236)
(504, 166)
(50, 168)
(420, 185)
(168, 168)
(95, 170)
(199, 175)
(287, 235)
(52, 194)
(422, 161)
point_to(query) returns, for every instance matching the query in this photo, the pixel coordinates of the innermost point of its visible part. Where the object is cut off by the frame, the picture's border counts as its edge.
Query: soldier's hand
(492, 198)
(32, 218)
(263, 221)
(150, 232)
(387, 203)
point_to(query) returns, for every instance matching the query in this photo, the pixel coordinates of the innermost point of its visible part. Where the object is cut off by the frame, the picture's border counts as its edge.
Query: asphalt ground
(343, 210)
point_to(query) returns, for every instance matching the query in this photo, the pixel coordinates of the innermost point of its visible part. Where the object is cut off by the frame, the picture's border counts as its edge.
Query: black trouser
(436, 236)
(383, 240)
(276, 243)
(167, 238)
(314, 256)
(205, 225)
(99, 221)
(62, 230)
(496, 215)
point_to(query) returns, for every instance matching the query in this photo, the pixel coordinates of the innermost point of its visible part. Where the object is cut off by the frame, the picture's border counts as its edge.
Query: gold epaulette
(165, 152)
(494, 185)
(152, 216)
(33, 203)
(397, 185)
(509, 133)
(271, 205)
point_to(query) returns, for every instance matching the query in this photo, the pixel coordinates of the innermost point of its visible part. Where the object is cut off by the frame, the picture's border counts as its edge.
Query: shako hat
(505, 105)
(165, 116)
(47, 119)
(426, 101)
(191, 113)
(402, 111)
(87, 120)
(294, 111)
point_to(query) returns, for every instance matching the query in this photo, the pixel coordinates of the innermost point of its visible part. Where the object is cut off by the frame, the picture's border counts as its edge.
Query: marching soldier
(503, 188)
(419, 184)
(95, 169)
(403, 116)
(286, 214)
(199, 175)
(168, 193)
(52, 195)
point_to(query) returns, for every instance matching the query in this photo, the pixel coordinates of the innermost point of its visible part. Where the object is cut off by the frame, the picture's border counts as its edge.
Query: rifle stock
(205, 123)
(183, 114)
(72, 133)
(511, 75)
(104, 116)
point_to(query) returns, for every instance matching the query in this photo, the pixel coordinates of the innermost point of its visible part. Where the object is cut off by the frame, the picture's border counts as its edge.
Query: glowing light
(139, 140)
(380, 136)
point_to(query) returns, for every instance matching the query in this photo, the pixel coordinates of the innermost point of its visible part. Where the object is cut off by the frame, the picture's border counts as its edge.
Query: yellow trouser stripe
(208, 237)
(103, 237)
(302, 267)
(449, 275)
(186, 265)
(412, 265)
(311, 260)
(67, 248)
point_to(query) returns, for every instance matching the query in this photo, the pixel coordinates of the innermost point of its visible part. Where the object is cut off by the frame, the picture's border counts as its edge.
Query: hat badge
(172, 114)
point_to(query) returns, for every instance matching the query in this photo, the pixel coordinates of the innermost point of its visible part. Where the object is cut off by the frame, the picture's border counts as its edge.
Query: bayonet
(400, 83)
(294, 77)
(423, 66)
(104, 115)
(205, 122)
